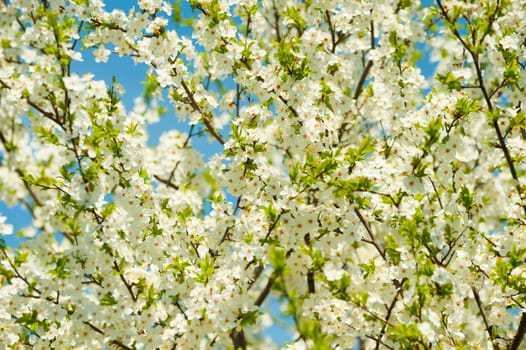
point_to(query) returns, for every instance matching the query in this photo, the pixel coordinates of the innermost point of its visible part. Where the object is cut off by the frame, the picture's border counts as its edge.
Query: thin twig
(485, 318)
(370, 232)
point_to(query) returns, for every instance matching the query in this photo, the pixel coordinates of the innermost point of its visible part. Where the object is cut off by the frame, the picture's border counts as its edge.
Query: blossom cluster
(381, 206)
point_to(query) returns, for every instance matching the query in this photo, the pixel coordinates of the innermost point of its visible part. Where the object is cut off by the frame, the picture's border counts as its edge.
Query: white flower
(441, 275)
(332, 272)
(74, 83)
(5, 229)
(510, 42)
(101, 54)
(427, 330)
(414, 184)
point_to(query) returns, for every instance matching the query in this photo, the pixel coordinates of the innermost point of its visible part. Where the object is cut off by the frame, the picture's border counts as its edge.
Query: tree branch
(264, 293)
(485, 318)
(238, 339)
(367, 68)
(370, 232)
(205, 118)
(389, 311)
(100, 331)
(517, 340)
(311, 287)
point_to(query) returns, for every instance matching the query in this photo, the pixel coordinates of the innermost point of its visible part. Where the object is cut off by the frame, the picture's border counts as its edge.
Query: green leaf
(466, 198)
(426, 268)
(206, 265)
(317, 258)
(296, 18)
(151, 297)
(108, 209)
(405, 333)
(60, 269)
(466, 105)
(293, 66)
(151, 85)
(185, 213)
(46, 135)
(156, 230)
(20, 258)
(449, 79)
(278, 260)
(400, 46)
(249, 318)
(29, 320)
(432, 131)
(368, 268)
(445, 289)
(108, 299)
(391, 249)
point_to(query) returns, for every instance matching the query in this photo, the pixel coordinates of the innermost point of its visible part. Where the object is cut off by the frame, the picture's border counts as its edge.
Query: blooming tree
(383, 209)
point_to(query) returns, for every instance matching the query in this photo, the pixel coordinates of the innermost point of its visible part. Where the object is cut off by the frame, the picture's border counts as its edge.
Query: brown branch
(291, 109)
(389, 311)
(310, 274)
(205, 118)
(381, 342)
(310, 282)
(210, 128)
(276, 19)
(18, 274)
(264, 293)
(128, 286)
(45, 113)
(3, 140)
(370, 232)
(93, 327)
(273, 225)
(29, 189)
(257, 272)
(367, 68)
(331, 28)
(238, 339)
(437, 194)
(519, 336)
(100, 331)
(167, 182)
(485, 318)
(365, 73)
(361, 81)
(227, 230)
